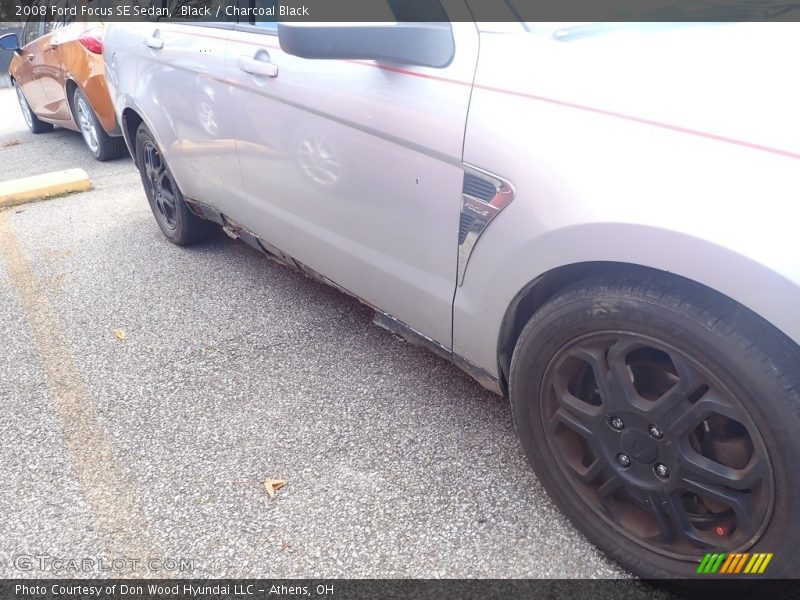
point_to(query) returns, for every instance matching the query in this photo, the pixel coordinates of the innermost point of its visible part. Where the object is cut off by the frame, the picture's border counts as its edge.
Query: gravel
(234, 369)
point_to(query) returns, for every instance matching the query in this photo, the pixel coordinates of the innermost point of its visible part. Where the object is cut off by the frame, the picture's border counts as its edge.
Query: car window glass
(265, 15)
(32, 29)
(52, 23)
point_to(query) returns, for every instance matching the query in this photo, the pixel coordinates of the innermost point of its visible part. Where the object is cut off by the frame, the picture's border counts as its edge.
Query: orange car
(59, 76)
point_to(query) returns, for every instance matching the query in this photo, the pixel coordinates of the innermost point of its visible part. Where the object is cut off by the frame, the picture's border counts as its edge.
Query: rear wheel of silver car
(664, 420)
(102, 146)
(177, 222)
(31, 120)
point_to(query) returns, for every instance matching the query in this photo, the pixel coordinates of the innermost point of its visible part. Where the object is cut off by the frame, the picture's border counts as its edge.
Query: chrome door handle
(154, 42)
(254, 66)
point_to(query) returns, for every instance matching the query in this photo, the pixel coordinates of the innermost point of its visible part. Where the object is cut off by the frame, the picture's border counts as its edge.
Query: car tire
(605, 360)
(102, 146)
(179, 224)
(35, 124)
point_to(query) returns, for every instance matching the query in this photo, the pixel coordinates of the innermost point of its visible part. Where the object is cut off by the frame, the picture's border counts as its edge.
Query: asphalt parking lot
(233, 370)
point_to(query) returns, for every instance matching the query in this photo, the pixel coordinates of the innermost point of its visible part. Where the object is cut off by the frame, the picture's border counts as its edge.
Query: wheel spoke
(662, 509)
(698, 468)
(683, 415)
(678, 396)
(674, 521)
(621, 388)
(159, 203)
(580, 422)
(167, 197)
(611, 373)
(739, 502)
(611, 485)
(148, 164)
(597, 469)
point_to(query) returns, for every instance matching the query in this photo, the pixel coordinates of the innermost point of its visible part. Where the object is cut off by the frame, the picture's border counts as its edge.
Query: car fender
(505, 266)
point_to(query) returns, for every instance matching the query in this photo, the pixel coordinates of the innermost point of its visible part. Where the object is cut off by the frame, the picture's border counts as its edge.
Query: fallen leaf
(119, 334)
(273, 485)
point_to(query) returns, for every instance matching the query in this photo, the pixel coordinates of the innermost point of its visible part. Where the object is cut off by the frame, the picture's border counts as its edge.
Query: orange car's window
(52, 25)
(32, 30)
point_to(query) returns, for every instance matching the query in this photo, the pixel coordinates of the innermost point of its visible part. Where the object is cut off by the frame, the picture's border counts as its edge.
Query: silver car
(598, 222)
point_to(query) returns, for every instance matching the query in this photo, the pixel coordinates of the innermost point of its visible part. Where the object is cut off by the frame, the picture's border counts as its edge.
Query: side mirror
(10, 41)
(424, 44)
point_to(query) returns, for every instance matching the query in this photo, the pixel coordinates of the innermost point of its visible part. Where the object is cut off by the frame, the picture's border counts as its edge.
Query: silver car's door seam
(483, 377)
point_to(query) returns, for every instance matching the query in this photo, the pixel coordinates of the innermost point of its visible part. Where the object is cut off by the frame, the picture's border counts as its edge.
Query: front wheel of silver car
(33, 122)
(663, 419)
(177, 222)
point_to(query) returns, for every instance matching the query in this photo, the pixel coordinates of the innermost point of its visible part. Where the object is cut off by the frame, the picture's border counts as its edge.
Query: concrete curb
(39, 187)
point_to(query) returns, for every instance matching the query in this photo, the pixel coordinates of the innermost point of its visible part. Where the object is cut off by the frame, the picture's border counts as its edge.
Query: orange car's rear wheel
(102, 146)
(33, 122)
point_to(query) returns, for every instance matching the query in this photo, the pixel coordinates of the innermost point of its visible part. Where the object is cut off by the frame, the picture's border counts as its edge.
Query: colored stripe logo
(733, 563)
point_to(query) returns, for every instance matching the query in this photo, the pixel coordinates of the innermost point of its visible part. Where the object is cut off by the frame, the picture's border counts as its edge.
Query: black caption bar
(338, 589)
(404, 10)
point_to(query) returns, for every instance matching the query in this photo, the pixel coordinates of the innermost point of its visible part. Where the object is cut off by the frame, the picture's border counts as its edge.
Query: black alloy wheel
(159, 184)
(656, 444)
(179, 224)
(663, 419)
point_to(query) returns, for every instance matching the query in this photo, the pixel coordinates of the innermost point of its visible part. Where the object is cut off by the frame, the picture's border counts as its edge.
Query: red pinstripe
(554, 101)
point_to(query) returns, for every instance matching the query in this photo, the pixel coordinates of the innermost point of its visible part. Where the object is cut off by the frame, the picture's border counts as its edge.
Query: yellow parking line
(117, 514)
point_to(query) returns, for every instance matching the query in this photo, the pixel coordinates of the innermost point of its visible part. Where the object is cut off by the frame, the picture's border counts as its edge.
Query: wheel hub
(639, 446)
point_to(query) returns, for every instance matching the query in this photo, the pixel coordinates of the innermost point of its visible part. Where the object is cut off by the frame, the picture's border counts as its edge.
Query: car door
(48, 65)
(353, 167)
(27, 74)
(182, 90)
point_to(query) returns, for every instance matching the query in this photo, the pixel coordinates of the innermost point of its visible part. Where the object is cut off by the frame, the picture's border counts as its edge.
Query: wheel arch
(540, 289)
(131, 120)
(534, 294)
(70, 86)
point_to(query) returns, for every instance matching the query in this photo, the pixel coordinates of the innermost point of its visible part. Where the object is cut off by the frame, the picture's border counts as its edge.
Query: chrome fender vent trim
(483, 196)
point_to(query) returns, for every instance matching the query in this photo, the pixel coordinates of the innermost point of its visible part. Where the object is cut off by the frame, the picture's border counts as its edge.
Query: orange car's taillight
(92, 40)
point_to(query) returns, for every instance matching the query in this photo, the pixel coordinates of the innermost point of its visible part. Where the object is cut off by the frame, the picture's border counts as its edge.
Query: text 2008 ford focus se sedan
(598, 222)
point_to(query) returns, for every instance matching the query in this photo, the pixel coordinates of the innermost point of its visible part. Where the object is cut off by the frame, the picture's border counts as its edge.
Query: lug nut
(624, 460)
(616, 423)
(661, 471)
(655, 432)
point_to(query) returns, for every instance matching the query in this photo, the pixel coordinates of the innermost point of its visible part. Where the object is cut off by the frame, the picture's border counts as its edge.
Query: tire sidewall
(561, 321)
(36, 125)
(143, 135)
(79, 95)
